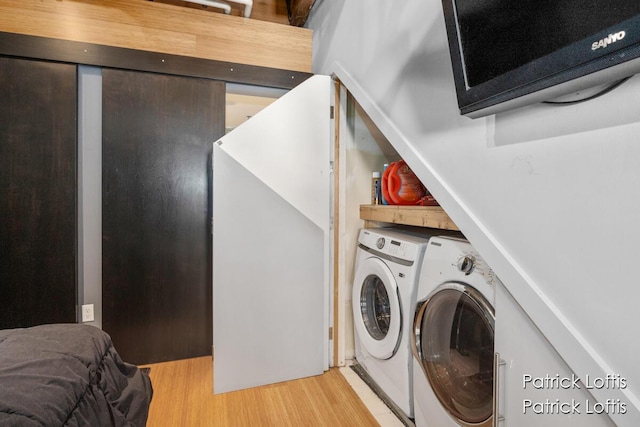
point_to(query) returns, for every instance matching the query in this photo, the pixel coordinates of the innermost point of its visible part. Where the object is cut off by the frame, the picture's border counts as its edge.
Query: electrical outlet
(87, 313)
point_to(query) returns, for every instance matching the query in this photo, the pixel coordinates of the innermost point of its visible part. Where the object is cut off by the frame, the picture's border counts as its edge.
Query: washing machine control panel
(393, 244)
(393, 248)
(471, 263)
(396, 248)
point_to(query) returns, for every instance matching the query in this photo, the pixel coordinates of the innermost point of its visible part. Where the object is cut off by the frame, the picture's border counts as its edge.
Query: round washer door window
(454, 339)
(376, 309)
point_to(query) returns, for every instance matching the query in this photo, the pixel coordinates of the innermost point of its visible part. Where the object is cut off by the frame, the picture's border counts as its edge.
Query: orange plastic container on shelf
(400, 186)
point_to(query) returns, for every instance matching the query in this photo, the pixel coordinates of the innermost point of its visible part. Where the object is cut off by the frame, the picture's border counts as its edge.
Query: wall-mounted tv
(510, 53)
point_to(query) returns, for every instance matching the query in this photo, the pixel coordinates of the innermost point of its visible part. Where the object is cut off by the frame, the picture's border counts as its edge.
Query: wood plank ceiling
(286, 12)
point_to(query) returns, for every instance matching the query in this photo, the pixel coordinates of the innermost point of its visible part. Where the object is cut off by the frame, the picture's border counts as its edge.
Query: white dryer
(384, 289)
(453, 337)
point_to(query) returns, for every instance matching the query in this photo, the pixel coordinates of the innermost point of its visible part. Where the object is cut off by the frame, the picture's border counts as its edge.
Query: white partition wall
(271, 242)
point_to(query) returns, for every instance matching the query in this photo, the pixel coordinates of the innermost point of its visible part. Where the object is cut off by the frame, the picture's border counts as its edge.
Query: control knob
(466, 264)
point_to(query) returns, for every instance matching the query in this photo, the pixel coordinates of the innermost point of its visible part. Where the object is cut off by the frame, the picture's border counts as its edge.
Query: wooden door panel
(157, 133)
(38, 154)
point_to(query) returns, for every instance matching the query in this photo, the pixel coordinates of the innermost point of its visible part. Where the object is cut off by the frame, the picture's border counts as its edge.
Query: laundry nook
(319, 212)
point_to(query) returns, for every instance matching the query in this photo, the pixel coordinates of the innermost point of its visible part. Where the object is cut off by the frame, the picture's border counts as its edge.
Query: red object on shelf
(400, 186)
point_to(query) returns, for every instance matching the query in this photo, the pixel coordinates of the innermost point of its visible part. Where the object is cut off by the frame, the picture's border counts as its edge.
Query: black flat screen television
(510, 53)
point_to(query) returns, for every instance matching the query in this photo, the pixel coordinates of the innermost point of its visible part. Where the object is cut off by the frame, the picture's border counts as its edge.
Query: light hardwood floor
(183, 397)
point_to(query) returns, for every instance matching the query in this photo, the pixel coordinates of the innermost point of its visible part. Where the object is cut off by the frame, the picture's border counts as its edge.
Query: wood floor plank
(183, 396)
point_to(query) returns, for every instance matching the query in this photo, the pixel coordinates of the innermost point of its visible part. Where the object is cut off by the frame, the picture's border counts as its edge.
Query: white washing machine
(453, 337)
(384, 288)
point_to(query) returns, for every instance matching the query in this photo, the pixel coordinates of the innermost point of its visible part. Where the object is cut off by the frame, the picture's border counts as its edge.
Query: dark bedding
(68, 375)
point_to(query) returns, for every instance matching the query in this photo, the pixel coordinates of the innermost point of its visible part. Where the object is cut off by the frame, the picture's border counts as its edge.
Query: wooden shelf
(419, 216)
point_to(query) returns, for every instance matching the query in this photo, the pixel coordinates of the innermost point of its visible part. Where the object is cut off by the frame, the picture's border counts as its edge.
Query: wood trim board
(336, 224)
(420, 216)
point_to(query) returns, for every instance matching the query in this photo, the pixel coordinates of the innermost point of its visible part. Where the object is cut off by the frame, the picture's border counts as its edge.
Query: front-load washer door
(376, 308)
(454, 334)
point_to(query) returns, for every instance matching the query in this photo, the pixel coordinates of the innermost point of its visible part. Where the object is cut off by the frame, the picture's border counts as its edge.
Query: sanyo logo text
(611, 38)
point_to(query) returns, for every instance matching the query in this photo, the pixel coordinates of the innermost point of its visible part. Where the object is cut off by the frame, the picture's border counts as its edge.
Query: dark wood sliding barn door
(37, 193)
(157, 135)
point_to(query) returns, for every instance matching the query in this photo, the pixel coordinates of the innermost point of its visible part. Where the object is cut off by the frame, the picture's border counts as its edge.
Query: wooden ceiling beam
(299, 11)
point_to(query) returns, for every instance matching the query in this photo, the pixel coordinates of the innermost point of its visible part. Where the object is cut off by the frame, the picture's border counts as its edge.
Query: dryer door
(376, 308)
(454, 333)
